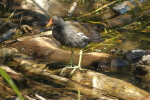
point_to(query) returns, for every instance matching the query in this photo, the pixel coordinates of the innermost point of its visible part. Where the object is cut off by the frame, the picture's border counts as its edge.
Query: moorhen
(73, 34)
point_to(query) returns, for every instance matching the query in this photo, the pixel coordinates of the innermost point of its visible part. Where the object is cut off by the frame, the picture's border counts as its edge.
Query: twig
(140, 5)
(144, 13)
(8, 19)
(98, 9)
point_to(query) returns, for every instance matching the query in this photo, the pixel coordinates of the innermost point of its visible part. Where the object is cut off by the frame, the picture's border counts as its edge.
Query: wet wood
(47, 91)
(14, 75)
(7, 93)
(31, 67)
(45, 48)
(145, 98)
(50, 51)
(3, 90)
(6, 53)
(88, 82)
(113, 86)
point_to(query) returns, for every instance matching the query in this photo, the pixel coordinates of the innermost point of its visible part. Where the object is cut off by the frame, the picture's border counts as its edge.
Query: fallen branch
(88, 82)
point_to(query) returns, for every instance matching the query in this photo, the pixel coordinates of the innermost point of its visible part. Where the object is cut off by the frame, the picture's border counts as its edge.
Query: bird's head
(55, 20)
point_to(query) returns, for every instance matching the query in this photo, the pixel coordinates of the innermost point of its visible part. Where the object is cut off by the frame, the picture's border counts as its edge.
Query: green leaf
(11, 83)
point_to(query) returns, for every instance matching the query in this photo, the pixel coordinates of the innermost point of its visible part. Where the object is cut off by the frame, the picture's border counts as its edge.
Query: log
(88, 82)
(30, 67)
(14, 75)
(46, 49)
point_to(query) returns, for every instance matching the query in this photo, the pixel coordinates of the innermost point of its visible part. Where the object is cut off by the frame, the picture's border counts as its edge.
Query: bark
(88, 82)
(46, 49)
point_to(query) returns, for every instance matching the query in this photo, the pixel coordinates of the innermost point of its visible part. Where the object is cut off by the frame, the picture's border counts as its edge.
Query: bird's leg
(72, 58)
(80, 59)
(71, 62)
(79, 64)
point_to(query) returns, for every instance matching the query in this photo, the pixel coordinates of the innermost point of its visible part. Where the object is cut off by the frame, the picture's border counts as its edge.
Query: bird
(73, 34)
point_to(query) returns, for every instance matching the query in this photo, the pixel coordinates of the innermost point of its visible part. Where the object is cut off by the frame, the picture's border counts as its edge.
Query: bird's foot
(68, 66)
(72, 67)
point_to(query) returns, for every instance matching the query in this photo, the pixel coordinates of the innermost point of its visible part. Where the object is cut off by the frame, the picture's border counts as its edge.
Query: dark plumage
(73, 34)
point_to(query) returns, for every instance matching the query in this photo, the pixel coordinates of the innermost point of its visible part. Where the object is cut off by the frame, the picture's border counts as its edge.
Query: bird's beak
(49, 23)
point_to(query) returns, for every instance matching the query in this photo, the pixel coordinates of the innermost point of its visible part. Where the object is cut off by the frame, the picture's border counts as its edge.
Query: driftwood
(36, 86)
(33, 46)
(17, 76)
(7, 91)
(145, 98)
(6, 53)
(88, 82)
(46, 49)
(26, 66)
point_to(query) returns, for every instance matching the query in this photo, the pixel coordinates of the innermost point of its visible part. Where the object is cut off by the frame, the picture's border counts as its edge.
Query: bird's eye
(53, 20)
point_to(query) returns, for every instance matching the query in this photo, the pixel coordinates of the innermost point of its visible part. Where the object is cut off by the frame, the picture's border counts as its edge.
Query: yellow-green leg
(79, 64)
(71, 62)
(72, 57)
(80, 59)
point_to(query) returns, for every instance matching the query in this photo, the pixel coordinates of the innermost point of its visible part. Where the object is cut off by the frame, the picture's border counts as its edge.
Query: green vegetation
(11, 83)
